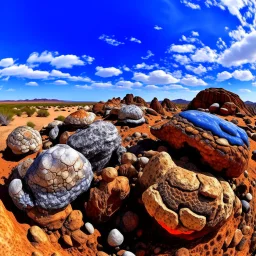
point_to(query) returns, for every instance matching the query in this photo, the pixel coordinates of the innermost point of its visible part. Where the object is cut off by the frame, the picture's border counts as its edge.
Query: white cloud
(10, 90)
(226, 28)
(87, 87)
(125, 68)
(221, 44)
(7, 62)
(88, 59)
(108, 72)
(197, 70)
(194, 33)
(80, 78)
(135, 40)
(145, 66)
(245, 90)
(241, 52)
(191, 5)
(182, 48)
(149, 54)
(174, 87)
(205, 54)
(191, 39)
(60, 82)
(238, 34)
(102, 85)
(243, 75)
(44, 57)
(6, 78)
(57, 73)
(155, 77)
(32, 84)
(177, 74)
(152, 86)
(182, 59)
(24, 72)
(110, 40)
(157, 27)
(127, 84)
(223, 76)
(190, 80)
(67, 61)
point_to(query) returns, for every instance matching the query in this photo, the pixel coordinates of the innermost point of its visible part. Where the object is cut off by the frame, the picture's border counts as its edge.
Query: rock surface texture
(24, 139)
(56, 178)
(80, 118)
(131, 114)
(221, 144)
(98, 143)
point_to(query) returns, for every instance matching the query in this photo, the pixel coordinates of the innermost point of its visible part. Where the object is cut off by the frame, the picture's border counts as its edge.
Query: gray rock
(54, 123)
(89, 227)
(246, 206)
(54, 132)
(115, 238)
(98, 143)
(127, 253)
(130, 112)
(134, 122)
(56, 178)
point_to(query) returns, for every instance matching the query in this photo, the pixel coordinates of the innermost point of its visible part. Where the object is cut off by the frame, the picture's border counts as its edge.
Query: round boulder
(131, 114)
(80, 118)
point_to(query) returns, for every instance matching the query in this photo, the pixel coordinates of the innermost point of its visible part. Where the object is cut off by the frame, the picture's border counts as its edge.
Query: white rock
(127, 253)
(89, 227)
(115, 238)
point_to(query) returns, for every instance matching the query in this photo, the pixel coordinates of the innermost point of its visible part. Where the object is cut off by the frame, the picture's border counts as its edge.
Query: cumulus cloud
(243, 75)
(191, 5)
(181, 48)
(7, 62)
(87, 87)
(60, 82)
(44, 57)
(152, 86)
(197, 70)
(110, 40)
(155, 77)
(221, 44)
(190, 80)
(237, 34)
(57, 73)
(157, 27)
(182, 59)
(102, 85)
(88, 59)
(67, 61)
(32, 84)
(10, 90)
(125, 68)
(135, 40)
(223, 76)
(108, 72)
(245, 90)
(194, 33)
(149, 54)
(145, 66)
(205, 54)
(127, 84)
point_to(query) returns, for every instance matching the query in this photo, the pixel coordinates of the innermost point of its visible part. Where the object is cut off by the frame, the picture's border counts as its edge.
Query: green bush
(29, 111)
(60, 118)
(31, 124)
(18, 112)
(43, 113)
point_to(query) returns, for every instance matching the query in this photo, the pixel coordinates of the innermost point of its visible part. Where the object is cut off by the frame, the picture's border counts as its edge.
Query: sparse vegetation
(29, 111)
(60, 118)
(31, 124)
(5, 119)
(43, 113)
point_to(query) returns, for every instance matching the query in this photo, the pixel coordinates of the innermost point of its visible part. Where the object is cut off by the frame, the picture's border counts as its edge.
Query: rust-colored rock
(168, 105)
(155, 104)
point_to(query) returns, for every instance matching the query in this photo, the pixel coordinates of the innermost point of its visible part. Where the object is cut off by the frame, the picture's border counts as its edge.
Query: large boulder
(98, 143)
(80, 118)
(24, 139)
(221, 144)
(204, 99)
(168, 105)
(156, 105)
(56, 178)
(131, 114)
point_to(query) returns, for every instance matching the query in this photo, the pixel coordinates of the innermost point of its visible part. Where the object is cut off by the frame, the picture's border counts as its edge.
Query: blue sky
(95, 50)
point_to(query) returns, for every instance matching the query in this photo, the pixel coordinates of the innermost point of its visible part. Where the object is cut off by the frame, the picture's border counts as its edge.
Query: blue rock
(218, 126)
(246, 206)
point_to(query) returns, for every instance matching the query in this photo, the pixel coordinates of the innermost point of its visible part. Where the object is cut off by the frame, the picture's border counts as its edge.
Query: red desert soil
(18, 218)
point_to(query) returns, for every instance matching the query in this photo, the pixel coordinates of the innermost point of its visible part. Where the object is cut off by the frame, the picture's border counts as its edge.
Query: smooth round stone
(144, 135)
(127, 253)
(222, 142)
(214, 107)
(248, 197)
(115, 238)
(137, 134)
(89, 227)
(253, 136)
(246, 174)
(224, 111)
(246, 206)
(143, 161)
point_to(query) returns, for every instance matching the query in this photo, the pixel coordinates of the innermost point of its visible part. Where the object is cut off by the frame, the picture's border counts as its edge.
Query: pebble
(237, 238)
(248, 197)
(246, 174)
(128, 138)
(38, 235)
(109, 174)
(144, 135)
(246, 230)
(137, 135)
(130, 221)
(182, 252)
(47, 145)
(89, 227)
(143, 161)
(254, 154)
(222, 142)
(115, 238)
(246, 206)
(128, 158)
(127, 253)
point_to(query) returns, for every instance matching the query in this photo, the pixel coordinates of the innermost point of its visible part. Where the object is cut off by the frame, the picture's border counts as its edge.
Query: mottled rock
(115, 238)
(55, 123)
(128, 158)
(74, 220)
(56, 178)
(54, 132)
(80, 118)
(182, 252)
(38, 235)
(109, 174)
(24, 166)
(98, 143)
(131, 114)
(24, 139)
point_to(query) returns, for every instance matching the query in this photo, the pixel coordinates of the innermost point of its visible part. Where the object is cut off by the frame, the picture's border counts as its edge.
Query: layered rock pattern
(24, 139)
(56, 178)
(221, 144)
(131, 114)
(98, 143)
(80, 118)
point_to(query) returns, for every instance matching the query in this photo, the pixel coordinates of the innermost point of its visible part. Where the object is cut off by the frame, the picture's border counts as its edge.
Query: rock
(237, 238)
(214, 108)
(107, 199)
(64, 137)
(144, 135)
(248, 197)
(130, 221)
(131, 114)
(54, 132)
(175, 201)
(151, 112)
(228, 151)
(47, 145)
(98, 108)
(24, 139)
(169, 105)
(155, 104)
(79, 236)
(38, 235)
(98, 143)
(128, 158)
(239, 114)
(37, 254)
(205, 98)
(254, 154)
(224, 111)
(243, 244)
(246, 206)
(56, 177)
(109, 174)
(247, 120)
(127, 253)
(51, 220)
(24, 166)
(54, 123)
(80, 118)
(137, 134)
(67, 239)
(182, 252)
(143, 161)
(74, 220)
(127, 170)
(89, 227)
(253, 136)
(115, 238)
(234, 121)
(231, 107)
(246, 175)
(102, 254)
(246, 230)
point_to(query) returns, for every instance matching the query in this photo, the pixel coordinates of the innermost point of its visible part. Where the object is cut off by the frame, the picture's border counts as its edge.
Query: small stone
(127, 253)
(246, 174)
(109, 174)
(143, 161)
(89, 227)
(128, 158)
(144, 135)
(253, 136)
(248, 197)
(246, 230)
(128, 138)
(214, 107)
(67, 239)
(246, 206)
(38, 235)
(237, 238)
(37, 254)
(130, 221)
(115, 238)
(137, 135)
(74, 220)
(47, 145)
(102, 254)
(243, 244)
(182, 252)
(222, 142)
(224, 111)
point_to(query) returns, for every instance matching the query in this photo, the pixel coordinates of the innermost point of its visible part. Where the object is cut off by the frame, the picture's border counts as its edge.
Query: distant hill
(34, 100)
(249, 102)
(181, 101)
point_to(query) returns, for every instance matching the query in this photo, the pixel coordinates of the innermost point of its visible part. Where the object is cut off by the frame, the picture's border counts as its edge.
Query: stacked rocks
(24, 139)
(131, 114)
